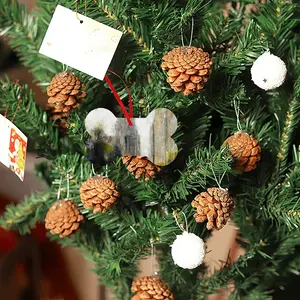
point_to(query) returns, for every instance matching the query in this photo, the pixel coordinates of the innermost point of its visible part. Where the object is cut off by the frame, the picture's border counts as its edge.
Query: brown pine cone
(150, 288)
(215, 206)
(188, 69)
(99, 193)
(245, 151)
(140, 165)
(64, 94)
(63, 218)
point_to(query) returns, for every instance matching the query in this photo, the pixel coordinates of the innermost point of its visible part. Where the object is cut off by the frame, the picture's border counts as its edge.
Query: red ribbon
(127, 115)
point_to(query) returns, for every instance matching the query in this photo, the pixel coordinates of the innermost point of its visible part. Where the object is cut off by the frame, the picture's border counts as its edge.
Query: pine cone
(188, 69)
(150, 288)
(245, 151)
(99, 193)
(65, 94)
(140, 165)
(63, 218)
(215, 206)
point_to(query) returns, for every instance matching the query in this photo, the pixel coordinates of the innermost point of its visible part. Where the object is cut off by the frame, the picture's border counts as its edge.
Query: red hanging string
(127, 115)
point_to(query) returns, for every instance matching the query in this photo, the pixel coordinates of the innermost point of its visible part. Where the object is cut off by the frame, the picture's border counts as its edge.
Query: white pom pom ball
(268, 71)
(188, 250)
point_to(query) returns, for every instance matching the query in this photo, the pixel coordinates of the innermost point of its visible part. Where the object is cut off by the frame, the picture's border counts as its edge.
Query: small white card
(12, 147)
(84, 44)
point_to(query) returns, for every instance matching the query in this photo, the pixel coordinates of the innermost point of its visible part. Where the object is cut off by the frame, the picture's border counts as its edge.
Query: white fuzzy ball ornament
(268, 71)
(188, 250)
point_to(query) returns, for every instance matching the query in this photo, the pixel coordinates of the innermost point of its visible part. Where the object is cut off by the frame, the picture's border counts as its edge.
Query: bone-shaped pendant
(149, 136)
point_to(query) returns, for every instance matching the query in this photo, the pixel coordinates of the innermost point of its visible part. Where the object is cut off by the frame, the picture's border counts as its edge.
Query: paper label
(151, 136)
(13, 147)
(88, 46)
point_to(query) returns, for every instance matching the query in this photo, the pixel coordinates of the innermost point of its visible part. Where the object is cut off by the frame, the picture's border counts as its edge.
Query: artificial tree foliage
(267, 206)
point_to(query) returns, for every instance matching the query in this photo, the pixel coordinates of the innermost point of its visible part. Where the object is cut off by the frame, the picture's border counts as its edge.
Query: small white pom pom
(188, 250)
(268, 71)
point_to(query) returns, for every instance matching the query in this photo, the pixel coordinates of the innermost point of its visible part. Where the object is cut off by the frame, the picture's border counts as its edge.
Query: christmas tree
(219, 66)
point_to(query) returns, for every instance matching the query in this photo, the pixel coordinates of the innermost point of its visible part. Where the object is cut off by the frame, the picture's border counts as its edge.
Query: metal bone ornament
(149, 136)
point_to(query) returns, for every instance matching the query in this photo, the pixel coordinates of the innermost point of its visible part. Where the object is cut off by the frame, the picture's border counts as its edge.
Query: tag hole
(81, 21)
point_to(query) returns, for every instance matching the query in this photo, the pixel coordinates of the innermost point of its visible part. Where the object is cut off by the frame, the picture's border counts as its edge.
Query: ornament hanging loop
(183, 227)
(237, 111)
(218, 182)
(153, 272)
(181, 32)
(6, 111)
(59, 188)
(93, 170)
(85, 5)
(103, 173)
(68, 186)
(128, 115)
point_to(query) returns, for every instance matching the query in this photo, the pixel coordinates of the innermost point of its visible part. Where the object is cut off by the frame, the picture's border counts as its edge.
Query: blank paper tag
(88, 46)
(12, 147)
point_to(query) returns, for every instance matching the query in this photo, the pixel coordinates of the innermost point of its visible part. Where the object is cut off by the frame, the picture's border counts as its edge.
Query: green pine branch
(276, 258)
(204, 167)
(145, 101)
(79, 169)
(27, 213)
(76, 131)
(22, 110)
(182, 282)
(243, 52)
(24, 215)
(291, 123)
(149, 23)
(284, 198)
(221, 96)
(128, 19)
(116, 262)
(277, 21)
(25, 32)
(255, 121)
(221, 278)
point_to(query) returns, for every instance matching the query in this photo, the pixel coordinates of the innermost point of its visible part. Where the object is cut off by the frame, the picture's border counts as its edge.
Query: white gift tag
(85, 45)
(12, 147)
